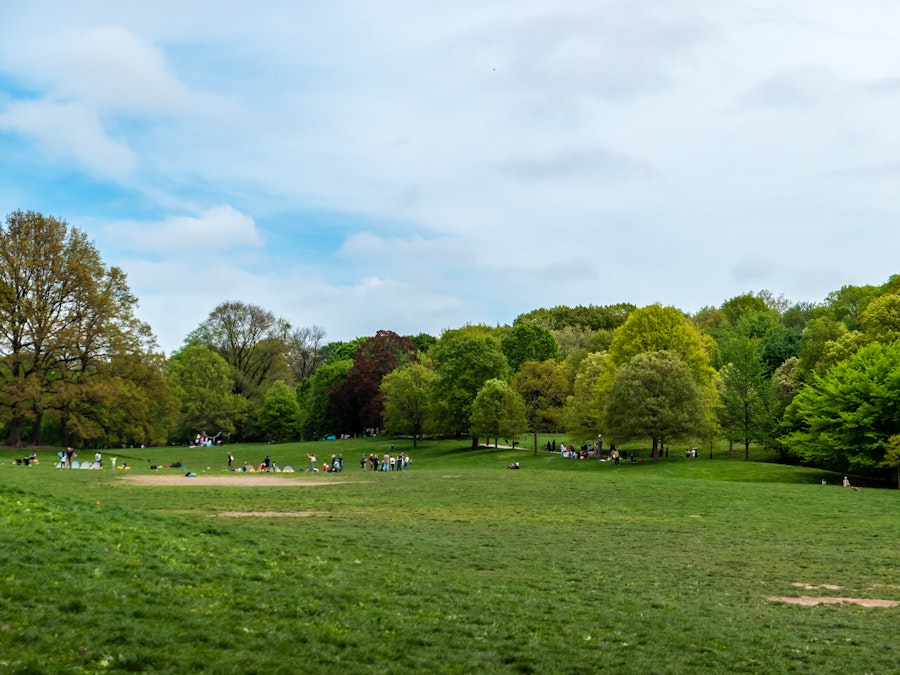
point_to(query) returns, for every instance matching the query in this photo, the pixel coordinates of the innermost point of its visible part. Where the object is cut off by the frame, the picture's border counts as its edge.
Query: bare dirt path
(236, 480)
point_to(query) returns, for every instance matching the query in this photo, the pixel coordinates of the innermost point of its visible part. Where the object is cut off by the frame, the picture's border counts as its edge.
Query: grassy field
(458, 565)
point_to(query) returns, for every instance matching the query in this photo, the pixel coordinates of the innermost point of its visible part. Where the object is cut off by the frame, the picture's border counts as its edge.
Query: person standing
(312, 462)
(230, 460)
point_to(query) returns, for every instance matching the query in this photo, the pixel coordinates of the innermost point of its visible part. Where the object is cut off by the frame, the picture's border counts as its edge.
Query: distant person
(847, 482)
(230, 460)
(312, 462)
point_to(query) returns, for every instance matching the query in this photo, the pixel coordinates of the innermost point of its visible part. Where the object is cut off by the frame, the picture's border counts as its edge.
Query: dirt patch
(236, 480)
(267, 514)
(808, 601)
(809, 587)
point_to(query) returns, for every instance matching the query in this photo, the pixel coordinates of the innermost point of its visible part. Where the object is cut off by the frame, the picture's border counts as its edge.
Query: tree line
(815, 382)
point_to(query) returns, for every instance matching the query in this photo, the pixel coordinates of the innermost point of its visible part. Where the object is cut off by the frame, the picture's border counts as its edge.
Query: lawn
(458, 565)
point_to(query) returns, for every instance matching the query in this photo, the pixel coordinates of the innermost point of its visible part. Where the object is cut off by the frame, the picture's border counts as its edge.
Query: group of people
(387, 462)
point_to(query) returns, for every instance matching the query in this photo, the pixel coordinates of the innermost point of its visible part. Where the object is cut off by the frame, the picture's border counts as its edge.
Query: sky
(409, 166)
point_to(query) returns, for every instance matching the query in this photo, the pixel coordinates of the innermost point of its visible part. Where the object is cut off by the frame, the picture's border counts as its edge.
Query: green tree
(654, 396)
(279, 415)
(464, 360)
(315, 411)
(845, 418)
(202, 380)
(64, 316)
(407, 399)
(497, 411)
(880, 320)
(528, 341)
(657, 328)
(253, 341)
(584, 408)
(543, 387)
(743, 410)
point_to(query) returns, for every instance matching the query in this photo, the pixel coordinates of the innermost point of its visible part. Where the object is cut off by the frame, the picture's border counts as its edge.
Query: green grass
(456, 566)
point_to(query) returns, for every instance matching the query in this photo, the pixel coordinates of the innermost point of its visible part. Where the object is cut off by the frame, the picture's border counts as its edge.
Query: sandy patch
(809, 587)
(808, 601)
(236, 480)
(267, 514)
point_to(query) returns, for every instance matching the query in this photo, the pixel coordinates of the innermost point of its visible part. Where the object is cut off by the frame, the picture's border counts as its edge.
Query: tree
(252, 340)
(657, 328)
(407, 399)
(202, 380)
(655, 396)
(315, 412)
(844, 419)
(64, 316)
(880, 320)
(464, 360)
(279, 415)
(584, 408)
(357, 402)
(528, 341)
(743, 405)
(497, 411)
(543, 387)
(305, 351)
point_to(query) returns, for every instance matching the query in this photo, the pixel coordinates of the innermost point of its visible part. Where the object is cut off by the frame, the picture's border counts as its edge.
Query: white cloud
(70, 131)
(216, 230)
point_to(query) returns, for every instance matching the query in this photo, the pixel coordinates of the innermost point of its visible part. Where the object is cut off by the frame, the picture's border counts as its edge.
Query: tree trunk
(15, 433)
(535, 444)
(746, 450)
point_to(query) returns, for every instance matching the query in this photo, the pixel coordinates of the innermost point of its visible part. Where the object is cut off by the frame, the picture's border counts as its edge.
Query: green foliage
(544, 388)
(315, 411)
(743, 408)
(657, 328)
(279, 415)
(67, 325)
(741, 305)
(880, 320)
(423, 342)
(654, 396)
(584, 409)
(845, 418)
(464, 360)
(202, 381)
(498, 411)
(407, 399)
(528, 341)
(590, 317)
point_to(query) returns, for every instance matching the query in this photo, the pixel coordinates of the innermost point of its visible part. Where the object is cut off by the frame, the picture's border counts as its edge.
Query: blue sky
(418, 166)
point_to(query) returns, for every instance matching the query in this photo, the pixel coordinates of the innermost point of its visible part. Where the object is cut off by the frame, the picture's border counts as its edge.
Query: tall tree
(252, 340)
(358, 401)
(63, 317)
(315, 412)
(528, 341)
(845, 418)
(306, 351)
(543, 387)
(655, 396)
(279, 415)
(202, 380)
(657, 328)
(464, 360)
(743, 405)
(584, 408)
(497, 411)
(407, 399)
